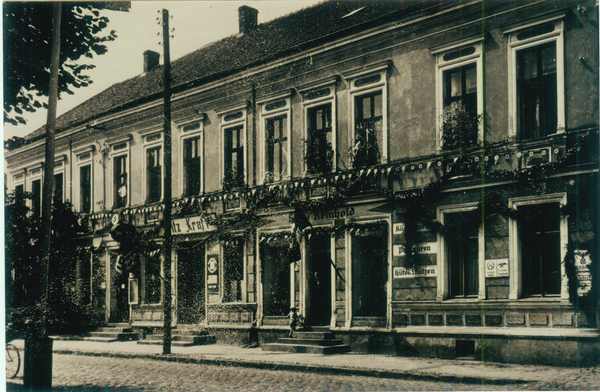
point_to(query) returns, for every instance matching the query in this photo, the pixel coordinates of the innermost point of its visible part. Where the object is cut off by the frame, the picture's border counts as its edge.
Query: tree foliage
(27, 45)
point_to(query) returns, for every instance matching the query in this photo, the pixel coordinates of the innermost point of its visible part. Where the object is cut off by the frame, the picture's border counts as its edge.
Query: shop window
(85, 188)
(275, 276)
(369, 272)
(153, 174)
(462, 247)
(120, 181)
(36, 197)
(58, 187)
(536, 78)
(234, 157)
(152, 278)
(233, 270)
(539, 236)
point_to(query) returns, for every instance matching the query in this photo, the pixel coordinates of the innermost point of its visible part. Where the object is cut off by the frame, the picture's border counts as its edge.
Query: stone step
(99, 339)
(302, 348)
(200, 339)
(114, 329)
(311, 342)
(314, 335)
(116, 335)
(180, 341)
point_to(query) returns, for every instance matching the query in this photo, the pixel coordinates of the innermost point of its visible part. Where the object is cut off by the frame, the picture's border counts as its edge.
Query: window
(459, 99)
(192, 152)
(152, 278)
(368, 97)
(536, 78)
(538, 239)
(58, 187)
(85, 188)
(369, 271)
(234, 158)
(462, 246)
(19, 194)
(275, 119)
(120, 181)
(153, 174)
(36, 197)
(319, 150)
(233, 270)
(536, 90)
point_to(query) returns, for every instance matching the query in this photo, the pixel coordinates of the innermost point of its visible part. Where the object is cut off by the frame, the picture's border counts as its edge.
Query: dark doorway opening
(190, 284)
(276, 278)
(120, 305)
(318, 276)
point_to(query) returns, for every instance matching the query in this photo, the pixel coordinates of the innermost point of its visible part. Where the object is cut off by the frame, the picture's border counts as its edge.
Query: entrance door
(318, 280)
(190, 284)
(119, 305)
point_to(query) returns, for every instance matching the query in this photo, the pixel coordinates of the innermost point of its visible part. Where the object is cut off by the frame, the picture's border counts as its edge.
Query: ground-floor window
(275, 262)
(233, 264)
(539, 236)
(369, 271)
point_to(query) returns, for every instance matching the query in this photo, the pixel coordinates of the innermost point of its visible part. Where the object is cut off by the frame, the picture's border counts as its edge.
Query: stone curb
(297, 367)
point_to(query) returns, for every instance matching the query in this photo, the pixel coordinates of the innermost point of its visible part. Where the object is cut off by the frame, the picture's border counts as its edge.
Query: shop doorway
(119, 305)
(318, 280)
(190, 284)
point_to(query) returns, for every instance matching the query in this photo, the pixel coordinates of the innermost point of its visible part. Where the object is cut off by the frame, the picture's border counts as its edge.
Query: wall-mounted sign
(133, 291)
(583, 263)
(398, 228)
(424, 248)
(212, 268)
(334, 213)
(496, 268)
(416, 272)
(194, 224)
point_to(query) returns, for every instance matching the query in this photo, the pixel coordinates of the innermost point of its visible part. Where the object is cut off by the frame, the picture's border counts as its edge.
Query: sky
(196, 23)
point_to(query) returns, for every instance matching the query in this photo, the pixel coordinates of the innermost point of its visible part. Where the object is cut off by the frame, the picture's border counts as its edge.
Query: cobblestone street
(85, 373)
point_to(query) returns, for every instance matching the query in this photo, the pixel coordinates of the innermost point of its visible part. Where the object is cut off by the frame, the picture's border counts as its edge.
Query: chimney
(248, 19)
(150, 61)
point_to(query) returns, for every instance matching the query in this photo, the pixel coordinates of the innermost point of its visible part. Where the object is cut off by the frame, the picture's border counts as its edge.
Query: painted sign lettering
(583, 262)
(422, 271)
(339, 213)
(190, 225)
(398, 228)
(425, 248)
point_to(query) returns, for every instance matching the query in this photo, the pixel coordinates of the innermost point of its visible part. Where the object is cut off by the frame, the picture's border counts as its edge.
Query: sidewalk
(456, 371)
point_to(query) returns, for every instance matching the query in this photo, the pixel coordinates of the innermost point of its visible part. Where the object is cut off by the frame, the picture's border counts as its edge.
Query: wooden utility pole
(37, 370)
(167, 184)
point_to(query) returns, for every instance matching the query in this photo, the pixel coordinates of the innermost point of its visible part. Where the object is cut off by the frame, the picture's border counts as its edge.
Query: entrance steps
(181, 338)
(114, 332)
(313, 342)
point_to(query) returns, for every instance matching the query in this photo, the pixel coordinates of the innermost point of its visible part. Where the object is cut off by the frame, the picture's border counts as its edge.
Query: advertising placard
(212, 269)
(416, 272)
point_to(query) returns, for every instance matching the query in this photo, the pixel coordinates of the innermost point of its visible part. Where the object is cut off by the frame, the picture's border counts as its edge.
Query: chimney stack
(248, 19)
(150, 60)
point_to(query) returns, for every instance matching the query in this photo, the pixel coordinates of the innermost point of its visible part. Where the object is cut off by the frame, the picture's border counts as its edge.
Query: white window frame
(183, 137)
(516, 280)
(85, 157)
(126, 151)
(153, 138)
(514, 45)
(443, 66)
(19, 177)
(59, 168)
(36, 172)
(265, 115)
(224, 125)
(443, 283)
(308, 103)
(382, 85)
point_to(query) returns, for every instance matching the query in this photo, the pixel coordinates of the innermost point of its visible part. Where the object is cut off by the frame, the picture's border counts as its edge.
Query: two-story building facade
(420, 178)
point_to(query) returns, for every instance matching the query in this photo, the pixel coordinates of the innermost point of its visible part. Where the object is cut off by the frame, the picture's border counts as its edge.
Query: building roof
(287, 35)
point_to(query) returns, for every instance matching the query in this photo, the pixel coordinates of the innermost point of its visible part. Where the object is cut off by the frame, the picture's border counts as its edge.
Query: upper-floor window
(84, 165)
(536, 78)
(275, 118)
(459, 98)
(192, 155)
(35, 174)
(19, 182)
(58, 187)
(318, 99)
(368, 97)
(153, 174)
(121, 182)
(233, 128)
